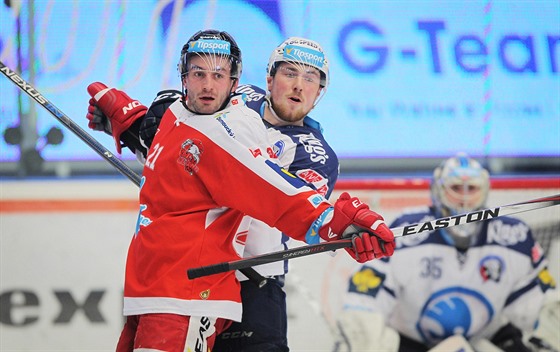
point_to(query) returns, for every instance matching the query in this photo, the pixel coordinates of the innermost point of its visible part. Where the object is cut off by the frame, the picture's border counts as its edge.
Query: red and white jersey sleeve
(198, 186)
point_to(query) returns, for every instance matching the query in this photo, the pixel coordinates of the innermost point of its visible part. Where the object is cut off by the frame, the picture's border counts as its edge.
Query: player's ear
(269, 83)
(318, 92)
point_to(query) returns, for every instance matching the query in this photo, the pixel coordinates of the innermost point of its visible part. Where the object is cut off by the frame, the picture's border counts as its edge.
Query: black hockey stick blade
(475, 216)
(70, 124)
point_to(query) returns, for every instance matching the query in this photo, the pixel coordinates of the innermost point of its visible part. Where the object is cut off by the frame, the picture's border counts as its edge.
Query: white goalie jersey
(428, 290)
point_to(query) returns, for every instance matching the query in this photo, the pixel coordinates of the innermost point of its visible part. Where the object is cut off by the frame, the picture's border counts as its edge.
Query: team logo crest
(453, 311)
(491, 268)
(190, 153)
(279, 147)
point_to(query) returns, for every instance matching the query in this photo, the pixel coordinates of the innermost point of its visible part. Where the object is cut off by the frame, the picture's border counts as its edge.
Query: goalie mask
(300, 51)
(460, 185)
(211, 42)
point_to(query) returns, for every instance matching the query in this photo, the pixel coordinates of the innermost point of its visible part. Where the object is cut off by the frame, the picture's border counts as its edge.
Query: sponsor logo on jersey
(314, 147)
(249, 93)
(313, 177)
(220, 117)
(367, 281)
(189, 155)
(453, 311)
(507, 234)
(491, 268)
(546, 281)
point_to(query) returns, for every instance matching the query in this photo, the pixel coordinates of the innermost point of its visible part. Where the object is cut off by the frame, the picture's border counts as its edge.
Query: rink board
(63, 249)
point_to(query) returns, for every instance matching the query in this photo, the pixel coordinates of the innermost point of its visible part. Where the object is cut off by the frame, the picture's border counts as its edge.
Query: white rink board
(72, 263)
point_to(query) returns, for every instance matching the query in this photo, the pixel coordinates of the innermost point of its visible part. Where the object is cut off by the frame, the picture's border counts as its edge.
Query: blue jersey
(428, 290)
(302, 150)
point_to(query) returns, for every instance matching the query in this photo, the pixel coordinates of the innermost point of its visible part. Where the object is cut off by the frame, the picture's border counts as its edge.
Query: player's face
(208, 83)
(293, 91)
(464, 196)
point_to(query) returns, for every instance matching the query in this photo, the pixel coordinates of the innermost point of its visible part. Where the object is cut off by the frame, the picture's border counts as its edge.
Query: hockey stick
(71, 125)
(95, 145)
(475, 216)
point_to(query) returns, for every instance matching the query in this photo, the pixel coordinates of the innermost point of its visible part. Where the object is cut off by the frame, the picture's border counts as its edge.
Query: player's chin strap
(268, 105)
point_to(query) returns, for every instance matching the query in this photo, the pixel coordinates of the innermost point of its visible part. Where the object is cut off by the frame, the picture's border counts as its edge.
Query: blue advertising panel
(408, 78)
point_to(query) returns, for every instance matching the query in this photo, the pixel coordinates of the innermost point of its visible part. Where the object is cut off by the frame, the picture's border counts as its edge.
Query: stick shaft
(475, 216)
(70, 124)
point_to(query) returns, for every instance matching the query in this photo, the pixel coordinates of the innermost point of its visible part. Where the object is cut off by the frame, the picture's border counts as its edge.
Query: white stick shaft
(475, 216)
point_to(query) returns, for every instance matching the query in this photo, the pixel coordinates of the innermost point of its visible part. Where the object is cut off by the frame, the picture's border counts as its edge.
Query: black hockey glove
(150, 124)
(510, 339)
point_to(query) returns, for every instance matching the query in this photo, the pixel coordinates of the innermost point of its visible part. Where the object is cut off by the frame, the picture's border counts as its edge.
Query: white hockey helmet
(460, 185)
(300, 51)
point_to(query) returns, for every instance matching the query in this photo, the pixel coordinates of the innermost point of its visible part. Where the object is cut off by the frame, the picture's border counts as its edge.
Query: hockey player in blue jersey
(297, 78)
(485, 281)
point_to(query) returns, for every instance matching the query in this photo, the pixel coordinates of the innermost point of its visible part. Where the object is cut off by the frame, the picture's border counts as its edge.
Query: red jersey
(201, 181)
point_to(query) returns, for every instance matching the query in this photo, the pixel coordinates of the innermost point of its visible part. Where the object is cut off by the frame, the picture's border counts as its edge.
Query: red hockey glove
(112, 111)
(370, 235)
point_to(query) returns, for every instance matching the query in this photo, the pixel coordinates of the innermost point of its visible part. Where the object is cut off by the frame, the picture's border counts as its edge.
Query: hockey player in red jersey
(297, 77)
(206, 171)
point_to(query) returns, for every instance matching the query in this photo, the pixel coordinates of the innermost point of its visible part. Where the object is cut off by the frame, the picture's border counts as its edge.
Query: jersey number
(152, 157)
(431, 267)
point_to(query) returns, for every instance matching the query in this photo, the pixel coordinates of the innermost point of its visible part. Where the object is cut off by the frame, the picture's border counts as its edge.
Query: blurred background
(413, 82)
